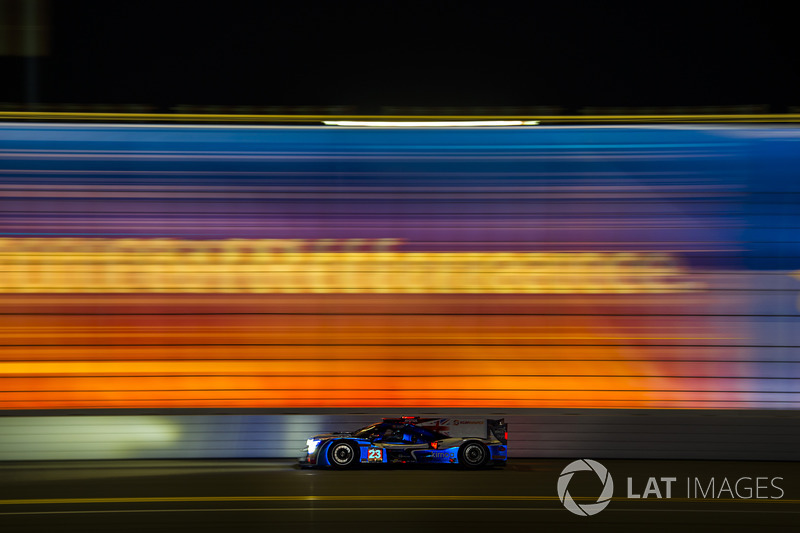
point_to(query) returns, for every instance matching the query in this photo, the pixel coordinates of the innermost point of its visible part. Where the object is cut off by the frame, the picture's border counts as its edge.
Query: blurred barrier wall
(161, 267)
(596, 433)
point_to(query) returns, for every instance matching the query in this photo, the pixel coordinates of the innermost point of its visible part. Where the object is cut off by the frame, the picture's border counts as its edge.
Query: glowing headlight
(312, 445)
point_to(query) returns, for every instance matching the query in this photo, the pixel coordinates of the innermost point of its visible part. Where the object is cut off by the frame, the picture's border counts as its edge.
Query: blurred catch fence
(556, 433)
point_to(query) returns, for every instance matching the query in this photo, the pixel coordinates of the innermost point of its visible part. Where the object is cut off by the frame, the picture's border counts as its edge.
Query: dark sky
(377, 54)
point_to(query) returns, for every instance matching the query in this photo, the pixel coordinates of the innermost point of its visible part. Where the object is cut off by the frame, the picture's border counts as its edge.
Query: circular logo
(586, 509)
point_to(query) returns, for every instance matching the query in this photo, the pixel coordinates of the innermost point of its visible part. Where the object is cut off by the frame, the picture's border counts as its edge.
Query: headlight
(312, 445)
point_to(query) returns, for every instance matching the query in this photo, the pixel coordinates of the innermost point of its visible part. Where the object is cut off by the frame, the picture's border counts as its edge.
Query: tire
(342, 454)
(473, 454)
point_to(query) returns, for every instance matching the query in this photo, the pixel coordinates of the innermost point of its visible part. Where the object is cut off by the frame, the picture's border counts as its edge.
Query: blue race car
(474, 444)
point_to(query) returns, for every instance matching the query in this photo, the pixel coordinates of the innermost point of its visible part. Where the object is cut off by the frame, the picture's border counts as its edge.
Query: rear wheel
(342, 454)
(473, 454)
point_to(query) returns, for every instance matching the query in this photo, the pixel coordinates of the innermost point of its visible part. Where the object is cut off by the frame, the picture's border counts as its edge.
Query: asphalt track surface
(250, 495)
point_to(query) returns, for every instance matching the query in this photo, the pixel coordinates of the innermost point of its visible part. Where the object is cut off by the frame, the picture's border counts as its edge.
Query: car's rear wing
(498, 429)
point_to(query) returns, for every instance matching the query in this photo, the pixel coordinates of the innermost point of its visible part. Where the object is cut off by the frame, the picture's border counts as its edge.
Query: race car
(472, 443)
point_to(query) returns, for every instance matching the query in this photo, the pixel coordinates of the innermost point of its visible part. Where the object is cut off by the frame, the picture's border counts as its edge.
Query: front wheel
(473, 454)
(342, 454)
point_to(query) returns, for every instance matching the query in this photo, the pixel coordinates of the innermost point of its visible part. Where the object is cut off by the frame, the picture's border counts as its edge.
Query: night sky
(370, 56)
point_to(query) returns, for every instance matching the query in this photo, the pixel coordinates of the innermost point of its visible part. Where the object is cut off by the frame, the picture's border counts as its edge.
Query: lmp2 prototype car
(472, 443)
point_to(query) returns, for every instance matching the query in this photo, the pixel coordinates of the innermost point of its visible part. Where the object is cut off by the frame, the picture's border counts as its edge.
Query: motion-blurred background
(226, 291)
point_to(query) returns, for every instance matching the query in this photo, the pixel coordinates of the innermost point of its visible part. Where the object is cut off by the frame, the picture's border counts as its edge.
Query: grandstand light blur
(430, 123)
(287, 268)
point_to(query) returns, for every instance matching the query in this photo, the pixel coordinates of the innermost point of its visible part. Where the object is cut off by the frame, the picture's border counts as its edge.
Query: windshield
(365, 432)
